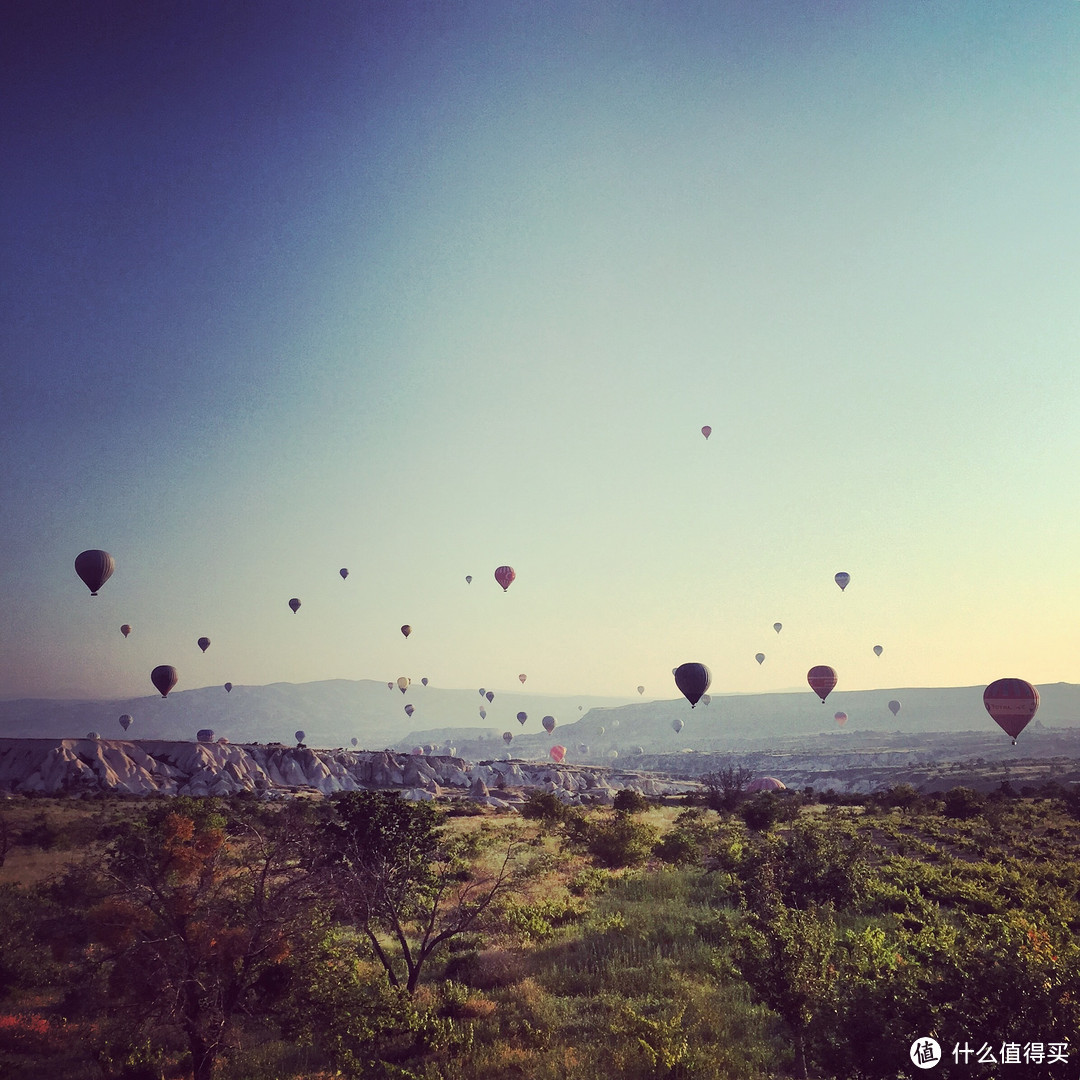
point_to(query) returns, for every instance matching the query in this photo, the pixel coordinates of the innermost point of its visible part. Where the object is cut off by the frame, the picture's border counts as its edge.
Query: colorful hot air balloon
(408, 710)
(894, 706)
(822, 680)
(490, 695)
(759, 657)
(508, 737)
(164, 678)
(842, 580)
(344, 573)
(521, 679)
(294, 604)
(406, 630)
(677, 725)
(228, 688)
(522, 717)
(204, 643)
(418, 751)
(692, 680)
(125, 629)
(549, 724)
(300, 736)
(125, 721)
(557, 753)
(878, 650)
(95, 567)
(777, 626)
(403, 684)
(205, 735)
(841, 718)
(1012, 703)
(641, 689)
(706, 431)
(504, 575)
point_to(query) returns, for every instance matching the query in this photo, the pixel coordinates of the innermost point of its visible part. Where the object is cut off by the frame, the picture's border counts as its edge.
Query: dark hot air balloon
(204, 643)
(692, 680)
(483, 713)
(508, 737)
(778, 626)
(468, 579)
(424, 681)
(842, 580)
(92, 735)
(706, 431)
(409, 710)
(94, 567)
(406, 630)
(294, 604)
(300, 736)
(822, 680)
(676, 725)
(522, 717)
(894, 706)
(1012, 703)
(841, 718)
(125, 721)
(164, 678)
(504, 575)
(490, 695)
(204, 735)
(521, 679)
(549, 724)
(228, 688)
(641, 689)
(878, 650)
(125, 629)
(759, 657)
(344, 573)
(354, 741)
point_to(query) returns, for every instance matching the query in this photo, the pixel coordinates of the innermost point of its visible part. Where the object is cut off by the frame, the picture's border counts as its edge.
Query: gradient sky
(418, 289)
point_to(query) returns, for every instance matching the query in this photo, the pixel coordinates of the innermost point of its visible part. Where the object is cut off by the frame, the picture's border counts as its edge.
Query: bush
(963, 803)
(762, 812)
(543, 806)
(622, 842)
(629, 801)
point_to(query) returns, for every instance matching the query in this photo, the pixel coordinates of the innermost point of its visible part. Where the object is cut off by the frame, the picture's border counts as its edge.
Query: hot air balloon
(842, 580)
(778, 626)
(822, 680)
(424, 680)
(125, 629)
(228, 688)
(92, 734)
(677, 725)
(706, 431)
(641, 689)
(504, 575)
(583, 748)
(125, 721)
(204, 643)
(482, 691)
(94, 567)
(706, 698)
(204, 735)
(406, 630)
(468, 579)
(549, 724)
(521, 679)
(294, 604)
(841, 718)
(389, 686)
(522, 717)
(418, 751)
(408, 710)
(300, 736)
(490, 695)
(765, 783)
(557, 753)
(483, 713)
(759, 657)
(354, 741)
(344, 573)
(508, 737)
(894, 706)
(1012, 703)
(403, 684)
(164, 678)
(692, 680)
(878, 650)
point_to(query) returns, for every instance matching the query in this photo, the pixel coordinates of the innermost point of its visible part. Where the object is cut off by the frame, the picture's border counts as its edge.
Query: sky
(423, 289)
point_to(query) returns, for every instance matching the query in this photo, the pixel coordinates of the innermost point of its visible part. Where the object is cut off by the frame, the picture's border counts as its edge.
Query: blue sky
(422, 289)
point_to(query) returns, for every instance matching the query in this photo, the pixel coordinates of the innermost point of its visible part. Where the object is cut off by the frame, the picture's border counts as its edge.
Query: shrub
(622, 842)
(543, 806)
(761, 812)
(629, 801)
(963, 802)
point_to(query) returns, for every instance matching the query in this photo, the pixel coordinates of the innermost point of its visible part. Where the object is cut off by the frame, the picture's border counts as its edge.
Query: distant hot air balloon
(490, 695)
(677, 725)
(205, 735)
(508, 737)
(822, 680)
(344, 573)
(228, 688)
(522, 717)
(204, 643)
(300, 736)
(406, 630)
(94, 567)
(521, 679)
(418, 751)
(164, 678)
(842, 580)
(583, 748)
(765, 783)
(389, 686)
(878, 650)
(482, 691)
(354, 741)
(92, 735)
(125, 629)
(641, 689)
(692, 680)
(841, 718)
(706, 431)
(468, 579)
(549, 724)
(557, 753)
(1012, 703)
(125, 721)
(504, 575)
(483, 713)
(424, 680)
(403, 684)
(759, 657)
(894, 706)
(294, 604)
(706, 698)
(409, 710)
(777, 626)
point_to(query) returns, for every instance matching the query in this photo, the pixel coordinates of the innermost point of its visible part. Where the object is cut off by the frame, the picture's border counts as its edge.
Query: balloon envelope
(878, 650)
(205, 735)
(125, 721)
(522, 717)
(692, 680)
(164, 678)
(641, 689)
(95, 567)
(706, 431)
(406, 629)
(490, 695)
(1012, 703)
(508, 737)
(468, 579)
(822, 680)
(125, 629)
(228, 688)
(424, 680)
(344, 573)
(842, 580)
(841, 718)
(549, 724)
(504, 575)
(894, 706)
(759, 657)
(521, 679)
(354, 740)
(299, 735)
(778, 626)
(409, 710)
(403, 684)
(204, 643)
(677, 725)
(483, 713)
(294, 603)
(557, 753)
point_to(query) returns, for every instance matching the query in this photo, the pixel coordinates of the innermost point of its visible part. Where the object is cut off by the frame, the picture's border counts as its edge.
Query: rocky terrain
(82, 766)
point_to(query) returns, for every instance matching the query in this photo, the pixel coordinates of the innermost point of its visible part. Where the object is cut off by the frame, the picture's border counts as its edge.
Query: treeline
(364, 936)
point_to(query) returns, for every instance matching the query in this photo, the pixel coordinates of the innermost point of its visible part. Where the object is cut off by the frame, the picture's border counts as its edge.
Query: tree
(724, 788)
(188, 918)
(401, 882)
